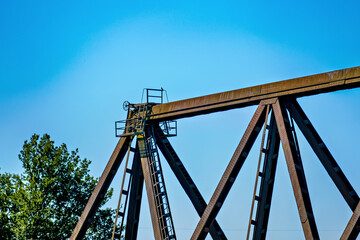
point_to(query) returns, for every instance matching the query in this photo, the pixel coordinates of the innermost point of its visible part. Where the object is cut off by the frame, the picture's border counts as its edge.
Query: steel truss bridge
(150, 124)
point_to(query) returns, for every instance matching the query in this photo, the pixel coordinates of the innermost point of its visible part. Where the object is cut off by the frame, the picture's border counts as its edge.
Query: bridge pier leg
(352, 229)
(267, 182)
(136, 189)
(230, 174)
(296, 171)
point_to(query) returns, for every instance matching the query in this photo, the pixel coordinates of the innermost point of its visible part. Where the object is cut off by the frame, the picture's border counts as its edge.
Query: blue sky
(66, 67)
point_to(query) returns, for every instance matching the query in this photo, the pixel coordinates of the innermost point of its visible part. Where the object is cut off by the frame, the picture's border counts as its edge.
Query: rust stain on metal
(297, 87)
(275, 94)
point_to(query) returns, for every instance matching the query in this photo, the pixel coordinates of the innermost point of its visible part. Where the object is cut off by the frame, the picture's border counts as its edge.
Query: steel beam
(267, 182)
(185, 180)
(297, 87)
(324, 155)
(101, 188)
(296, 172)
(230, 174)
(136, 189)
(353, 227)
(293, 88)
(149, 186)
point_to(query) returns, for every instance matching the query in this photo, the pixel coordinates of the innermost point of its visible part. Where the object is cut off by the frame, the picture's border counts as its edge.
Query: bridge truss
(275, 117)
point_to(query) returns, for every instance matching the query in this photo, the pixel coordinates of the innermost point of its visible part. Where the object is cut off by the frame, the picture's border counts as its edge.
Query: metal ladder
(292, 126)
(161, 136)
(259, 174)
(158, 186)
(141, 120)
(135, 122)
(124, 193)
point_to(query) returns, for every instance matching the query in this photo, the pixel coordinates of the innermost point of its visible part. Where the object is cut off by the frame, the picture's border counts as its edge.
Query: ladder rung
(125, 192)
(253, 222)
(121, 214)
(257, 198)
(128, 170)
(158, 187)
(161, 194)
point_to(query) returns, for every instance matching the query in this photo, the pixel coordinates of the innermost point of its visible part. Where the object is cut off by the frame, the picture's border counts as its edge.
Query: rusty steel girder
(281, 98)
(297, 87)
(101, 188)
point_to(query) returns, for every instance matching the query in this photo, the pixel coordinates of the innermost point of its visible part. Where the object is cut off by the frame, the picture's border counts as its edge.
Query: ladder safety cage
(163, 211)
(169, 128)
(138, 114)
(154, 95)
(135, 122)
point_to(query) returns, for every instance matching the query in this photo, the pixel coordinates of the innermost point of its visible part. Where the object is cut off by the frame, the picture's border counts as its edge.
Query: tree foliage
(47, 199)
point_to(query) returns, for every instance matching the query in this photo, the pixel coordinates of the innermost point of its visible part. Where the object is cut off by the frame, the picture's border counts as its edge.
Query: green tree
(47, 199)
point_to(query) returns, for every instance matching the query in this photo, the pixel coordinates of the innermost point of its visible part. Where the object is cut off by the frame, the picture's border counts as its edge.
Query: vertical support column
(230, 174)
(101, 188)
(132, 221)
(258, 173)
(296, 172)
(267, 181)
(155, 186)
(149, 186)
